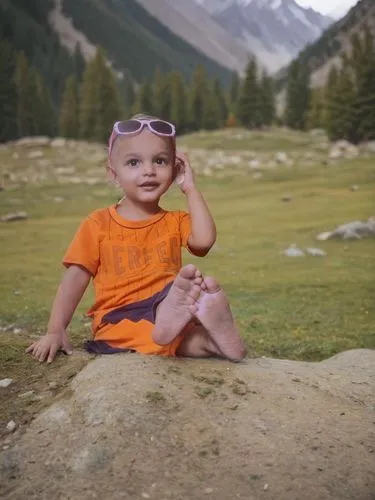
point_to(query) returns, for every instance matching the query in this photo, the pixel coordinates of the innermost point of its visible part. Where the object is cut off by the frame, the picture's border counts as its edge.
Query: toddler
(145, 301)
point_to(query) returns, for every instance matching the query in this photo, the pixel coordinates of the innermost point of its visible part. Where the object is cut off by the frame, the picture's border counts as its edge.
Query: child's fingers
(52, 353)
(31, 347)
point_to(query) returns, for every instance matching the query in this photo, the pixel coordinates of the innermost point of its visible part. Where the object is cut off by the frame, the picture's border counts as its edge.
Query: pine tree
(298, 95)
(108, 99)
(363, 62)
(87, 105)
(26, 95)
(248, 106)
(143, 101)
(79, 62)
(196, 99)
(128, 93)
(221, 102)
(212, 113)
(332, 113)
(69, 110)
(162, 95)
(340, 105)
(266, 100)
(8, 93)
(44, 109)
(315, 117)
(100, 103)
(234, 91)
(178, 101)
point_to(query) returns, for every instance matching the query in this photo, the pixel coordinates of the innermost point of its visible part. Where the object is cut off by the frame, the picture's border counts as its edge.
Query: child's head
(142, 157)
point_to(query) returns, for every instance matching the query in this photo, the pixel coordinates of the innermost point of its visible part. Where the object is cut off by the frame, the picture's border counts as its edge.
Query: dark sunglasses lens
(161, 127)
(129, 126)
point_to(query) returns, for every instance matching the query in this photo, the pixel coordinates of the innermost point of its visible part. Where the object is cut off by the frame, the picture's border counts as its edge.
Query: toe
(188, 271)
(212, 286)
(195, 292)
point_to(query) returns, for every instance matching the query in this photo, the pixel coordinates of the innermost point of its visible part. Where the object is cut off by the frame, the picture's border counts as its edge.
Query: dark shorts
(142, 310)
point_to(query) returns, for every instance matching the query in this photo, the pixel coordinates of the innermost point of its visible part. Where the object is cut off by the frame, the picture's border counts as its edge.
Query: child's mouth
(149, 186)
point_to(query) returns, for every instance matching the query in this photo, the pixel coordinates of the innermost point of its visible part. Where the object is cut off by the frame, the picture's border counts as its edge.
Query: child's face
(143, 166)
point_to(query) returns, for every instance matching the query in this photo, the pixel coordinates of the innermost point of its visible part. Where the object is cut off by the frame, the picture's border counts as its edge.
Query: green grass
(308, 308)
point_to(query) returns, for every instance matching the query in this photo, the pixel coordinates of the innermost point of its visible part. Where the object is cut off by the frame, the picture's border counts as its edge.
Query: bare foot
(215, 315)
(179, 306)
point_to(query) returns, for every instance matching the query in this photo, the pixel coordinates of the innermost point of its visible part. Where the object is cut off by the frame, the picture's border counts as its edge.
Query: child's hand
(185, 176)
(47, 346)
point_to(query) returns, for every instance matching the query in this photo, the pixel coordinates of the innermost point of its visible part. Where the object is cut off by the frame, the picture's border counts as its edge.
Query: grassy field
(304, 308)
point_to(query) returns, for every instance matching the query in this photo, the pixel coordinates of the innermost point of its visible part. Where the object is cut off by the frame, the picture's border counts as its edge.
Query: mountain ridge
(276, 30)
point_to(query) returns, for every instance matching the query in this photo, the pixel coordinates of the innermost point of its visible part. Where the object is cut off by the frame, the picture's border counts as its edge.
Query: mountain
(326, 51)
(341, 9)
(133, 38)
(275, 30)
(192, 23)
(24, 25)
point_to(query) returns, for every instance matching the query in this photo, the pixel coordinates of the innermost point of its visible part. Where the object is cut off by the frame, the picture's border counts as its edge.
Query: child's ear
(111, 173)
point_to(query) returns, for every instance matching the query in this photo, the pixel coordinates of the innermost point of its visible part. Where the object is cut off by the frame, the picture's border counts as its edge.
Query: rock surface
(136, 427)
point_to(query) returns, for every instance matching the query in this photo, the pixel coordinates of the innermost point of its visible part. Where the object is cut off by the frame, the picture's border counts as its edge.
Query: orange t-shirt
(129, 260)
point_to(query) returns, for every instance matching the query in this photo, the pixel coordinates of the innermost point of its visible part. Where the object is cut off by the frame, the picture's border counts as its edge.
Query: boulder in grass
(352, 231)
(14, 216)
(293, 251)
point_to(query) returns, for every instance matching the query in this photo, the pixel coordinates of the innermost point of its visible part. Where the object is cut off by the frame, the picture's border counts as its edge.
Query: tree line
(89, 105)
(93, 96)
(345, 106)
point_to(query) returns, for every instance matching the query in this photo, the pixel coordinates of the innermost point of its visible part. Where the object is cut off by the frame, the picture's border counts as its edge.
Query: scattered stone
(15, 156)
(254, 164)
(14, 217)
(30, 142)
(293, 251)
(5, 382)
(352, 231)
(207, 171)
(281, 158)
(287, 198)
(35, 154)
(208, 490)
(316, 252)
(11, 426)
(59, 142)
(343, 149)
(17, 293)
(257, 175)
(17, 331)
(318, 132)
(65, 170)
(27, 394)
(265, 487)
(370, 146)
(354, 188)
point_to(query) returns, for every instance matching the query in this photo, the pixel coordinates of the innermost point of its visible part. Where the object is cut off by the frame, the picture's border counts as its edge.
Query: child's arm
(69, 294)
(203, 229)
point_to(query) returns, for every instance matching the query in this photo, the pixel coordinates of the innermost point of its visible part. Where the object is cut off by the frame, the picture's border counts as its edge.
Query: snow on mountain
(275, 30)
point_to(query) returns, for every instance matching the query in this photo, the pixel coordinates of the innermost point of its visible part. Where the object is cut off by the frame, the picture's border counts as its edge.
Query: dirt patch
(136, 427)
(34, 386)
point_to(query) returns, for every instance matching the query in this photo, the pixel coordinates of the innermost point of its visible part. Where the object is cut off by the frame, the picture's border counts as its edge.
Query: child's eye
(133, 162)
(161, 161)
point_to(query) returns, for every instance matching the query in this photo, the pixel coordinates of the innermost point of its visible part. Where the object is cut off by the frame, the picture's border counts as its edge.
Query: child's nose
(149, 168)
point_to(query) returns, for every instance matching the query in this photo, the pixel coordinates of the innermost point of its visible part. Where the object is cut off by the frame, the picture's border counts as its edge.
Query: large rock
(134, 427)
(343, 149)
(31, 142)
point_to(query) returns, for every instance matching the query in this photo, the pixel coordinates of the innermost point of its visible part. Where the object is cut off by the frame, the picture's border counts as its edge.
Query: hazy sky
(327, 6)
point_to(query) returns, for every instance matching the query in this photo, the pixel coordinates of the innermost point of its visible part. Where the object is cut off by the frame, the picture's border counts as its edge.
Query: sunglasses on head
(133, 126)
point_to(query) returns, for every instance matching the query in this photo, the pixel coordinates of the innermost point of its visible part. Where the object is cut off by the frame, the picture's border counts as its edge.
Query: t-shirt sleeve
(84, 248)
